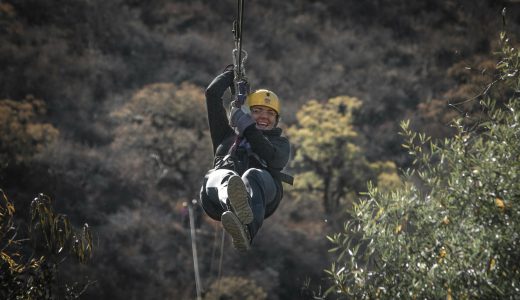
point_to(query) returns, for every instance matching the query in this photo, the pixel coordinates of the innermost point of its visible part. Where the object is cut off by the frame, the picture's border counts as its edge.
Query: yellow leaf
(500, 204)
(492, 263)
(398, 229)
(379, 213)
(12, 264)
(442, 252)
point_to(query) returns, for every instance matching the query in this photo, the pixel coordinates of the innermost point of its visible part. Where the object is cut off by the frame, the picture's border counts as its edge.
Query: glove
(219, 85)
(240, 120)
(229, 67)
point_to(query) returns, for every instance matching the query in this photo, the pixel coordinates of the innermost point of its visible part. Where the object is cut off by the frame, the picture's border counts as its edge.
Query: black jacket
(269, 150)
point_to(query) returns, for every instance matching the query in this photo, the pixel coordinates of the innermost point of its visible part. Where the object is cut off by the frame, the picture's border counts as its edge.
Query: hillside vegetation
(102, 109)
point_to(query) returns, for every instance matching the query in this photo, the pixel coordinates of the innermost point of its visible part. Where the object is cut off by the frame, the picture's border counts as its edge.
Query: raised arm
(218, 122)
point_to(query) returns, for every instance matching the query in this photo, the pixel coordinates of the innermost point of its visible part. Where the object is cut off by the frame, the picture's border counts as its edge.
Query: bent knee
(255, 173)
(258, 175)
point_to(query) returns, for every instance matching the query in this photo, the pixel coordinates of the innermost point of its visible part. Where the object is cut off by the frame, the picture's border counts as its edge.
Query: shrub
(23, 134)
(26, 275)
(232, 288)
(452, 231)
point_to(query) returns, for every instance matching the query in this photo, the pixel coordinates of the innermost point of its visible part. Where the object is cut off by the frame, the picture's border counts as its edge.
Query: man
(245, 185)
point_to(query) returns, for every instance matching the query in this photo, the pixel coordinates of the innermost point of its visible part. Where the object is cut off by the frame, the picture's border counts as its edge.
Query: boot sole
(238, 198)
(232, 225)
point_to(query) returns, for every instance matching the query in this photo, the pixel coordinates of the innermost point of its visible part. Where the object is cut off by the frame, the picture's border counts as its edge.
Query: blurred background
(102, 109)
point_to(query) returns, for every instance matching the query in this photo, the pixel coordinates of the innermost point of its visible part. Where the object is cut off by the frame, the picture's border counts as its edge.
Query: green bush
(452, 231)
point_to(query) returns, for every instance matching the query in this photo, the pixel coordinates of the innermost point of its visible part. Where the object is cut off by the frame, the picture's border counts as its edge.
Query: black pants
(259, 183)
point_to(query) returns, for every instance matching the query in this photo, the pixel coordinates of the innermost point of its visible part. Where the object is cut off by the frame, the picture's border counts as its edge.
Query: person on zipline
(245, 185)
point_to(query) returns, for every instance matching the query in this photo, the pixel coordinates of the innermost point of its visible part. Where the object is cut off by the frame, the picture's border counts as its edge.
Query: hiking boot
(239, 199)
(237, 230)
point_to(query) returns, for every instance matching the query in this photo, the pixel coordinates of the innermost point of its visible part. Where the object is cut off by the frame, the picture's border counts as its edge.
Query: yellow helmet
(264, 98)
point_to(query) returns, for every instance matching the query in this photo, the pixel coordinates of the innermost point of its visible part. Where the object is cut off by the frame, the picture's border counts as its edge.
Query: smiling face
(264, 117)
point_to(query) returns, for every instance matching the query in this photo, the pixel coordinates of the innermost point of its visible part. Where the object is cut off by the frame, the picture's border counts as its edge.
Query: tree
(29, 265)
(23, 133)
(328, 159)
(452, 232)
(161, 150)
(473, 77)
(235, 287)
(161, 137)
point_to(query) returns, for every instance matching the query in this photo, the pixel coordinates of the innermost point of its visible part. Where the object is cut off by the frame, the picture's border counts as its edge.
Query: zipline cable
(241, 85)
(238, 61)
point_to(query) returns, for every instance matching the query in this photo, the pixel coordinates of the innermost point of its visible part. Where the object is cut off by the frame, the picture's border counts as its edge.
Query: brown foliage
(50, 239)
(473, 77)
(162, 137)
(23, 134)
(235, 288)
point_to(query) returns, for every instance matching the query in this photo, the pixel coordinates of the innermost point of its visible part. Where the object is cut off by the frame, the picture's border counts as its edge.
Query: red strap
(235, 145)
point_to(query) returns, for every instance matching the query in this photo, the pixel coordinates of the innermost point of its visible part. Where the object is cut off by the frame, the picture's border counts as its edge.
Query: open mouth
(262, 124)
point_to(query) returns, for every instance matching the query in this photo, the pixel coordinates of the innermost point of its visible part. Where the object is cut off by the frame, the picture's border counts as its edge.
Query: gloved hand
(219, 85)
(240, 120)
(229, 67)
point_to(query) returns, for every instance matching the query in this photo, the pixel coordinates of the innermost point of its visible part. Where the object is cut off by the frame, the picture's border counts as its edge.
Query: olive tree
(453, 231)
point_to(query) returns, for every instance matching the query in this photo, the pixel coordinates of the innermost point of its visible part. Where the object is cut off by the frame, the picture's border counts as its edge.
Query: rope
(198, 285)
(213, 252)
(221, 259)
(194, 251)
